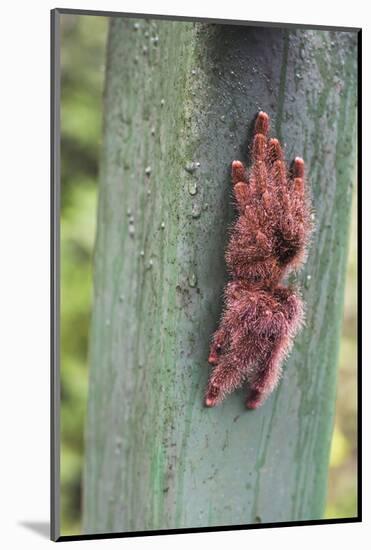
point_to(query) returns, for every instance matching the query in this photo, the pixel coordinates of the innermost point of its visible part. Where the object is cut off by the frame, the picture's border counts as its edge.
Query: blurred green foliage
(82, 61)
(342, 488)
(82, 65)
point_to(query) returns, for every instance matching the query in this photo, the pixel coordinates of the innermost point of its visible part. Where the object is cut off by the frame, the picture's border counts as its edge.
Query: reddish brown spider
(269, 239)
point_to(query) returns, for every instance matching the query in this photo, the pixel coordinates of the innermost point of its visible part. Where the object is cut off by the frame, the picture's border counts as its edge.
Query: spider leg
(291, 306)
(259, 181)
(278, 339)
(299, 201)
(276, 163)
(242, 195)
(298, 168)
(258, 174)
(286, 196)
(295, 226)
(224, 379)
(262, 123)
(274, 151)
(240, 185)
(297, 180)
(267, 373)
(278, 176)
(218, 342)
(243, 187)
(259, 145)
(239, 172)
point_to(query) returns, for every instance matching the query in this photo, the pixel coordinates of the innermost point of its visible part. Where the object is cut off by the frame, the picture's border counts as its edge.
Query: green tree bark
(178, 94)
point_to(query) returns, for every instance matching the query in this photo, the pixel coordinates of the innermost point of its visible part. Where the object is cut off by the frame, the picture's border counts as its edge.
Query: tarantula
(268, 240)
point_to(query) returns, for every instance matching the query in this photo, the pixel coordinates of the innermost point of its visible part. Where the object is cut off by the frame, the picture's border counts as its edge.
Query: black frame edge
(359, 277)
(130, 534)
(54, 280)
(72, 11)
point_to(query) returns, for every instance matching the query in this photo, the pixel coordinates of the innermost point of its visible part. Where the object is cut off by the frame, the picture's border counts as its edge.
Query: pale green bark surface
(187, 93)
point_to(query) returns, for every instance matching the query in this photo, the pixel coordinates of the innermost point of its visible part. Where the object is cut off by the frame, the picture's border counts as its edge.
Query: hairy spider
(268, 240)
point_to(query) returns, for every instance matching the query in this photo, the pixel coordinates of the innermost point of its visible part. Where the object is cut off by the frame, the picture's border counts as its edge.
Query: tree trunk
(179, 103)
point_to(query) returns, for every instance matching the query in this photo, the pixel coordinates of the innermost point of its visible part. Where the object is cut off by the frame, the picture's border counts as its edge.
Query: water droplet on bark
(196, 211)
(192, 280)
(191, 167)
(192, 188)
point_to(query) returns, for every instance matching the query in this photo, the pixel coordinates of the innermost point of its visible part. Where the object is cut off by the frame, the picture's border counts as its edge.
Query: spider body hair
(268, 240)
